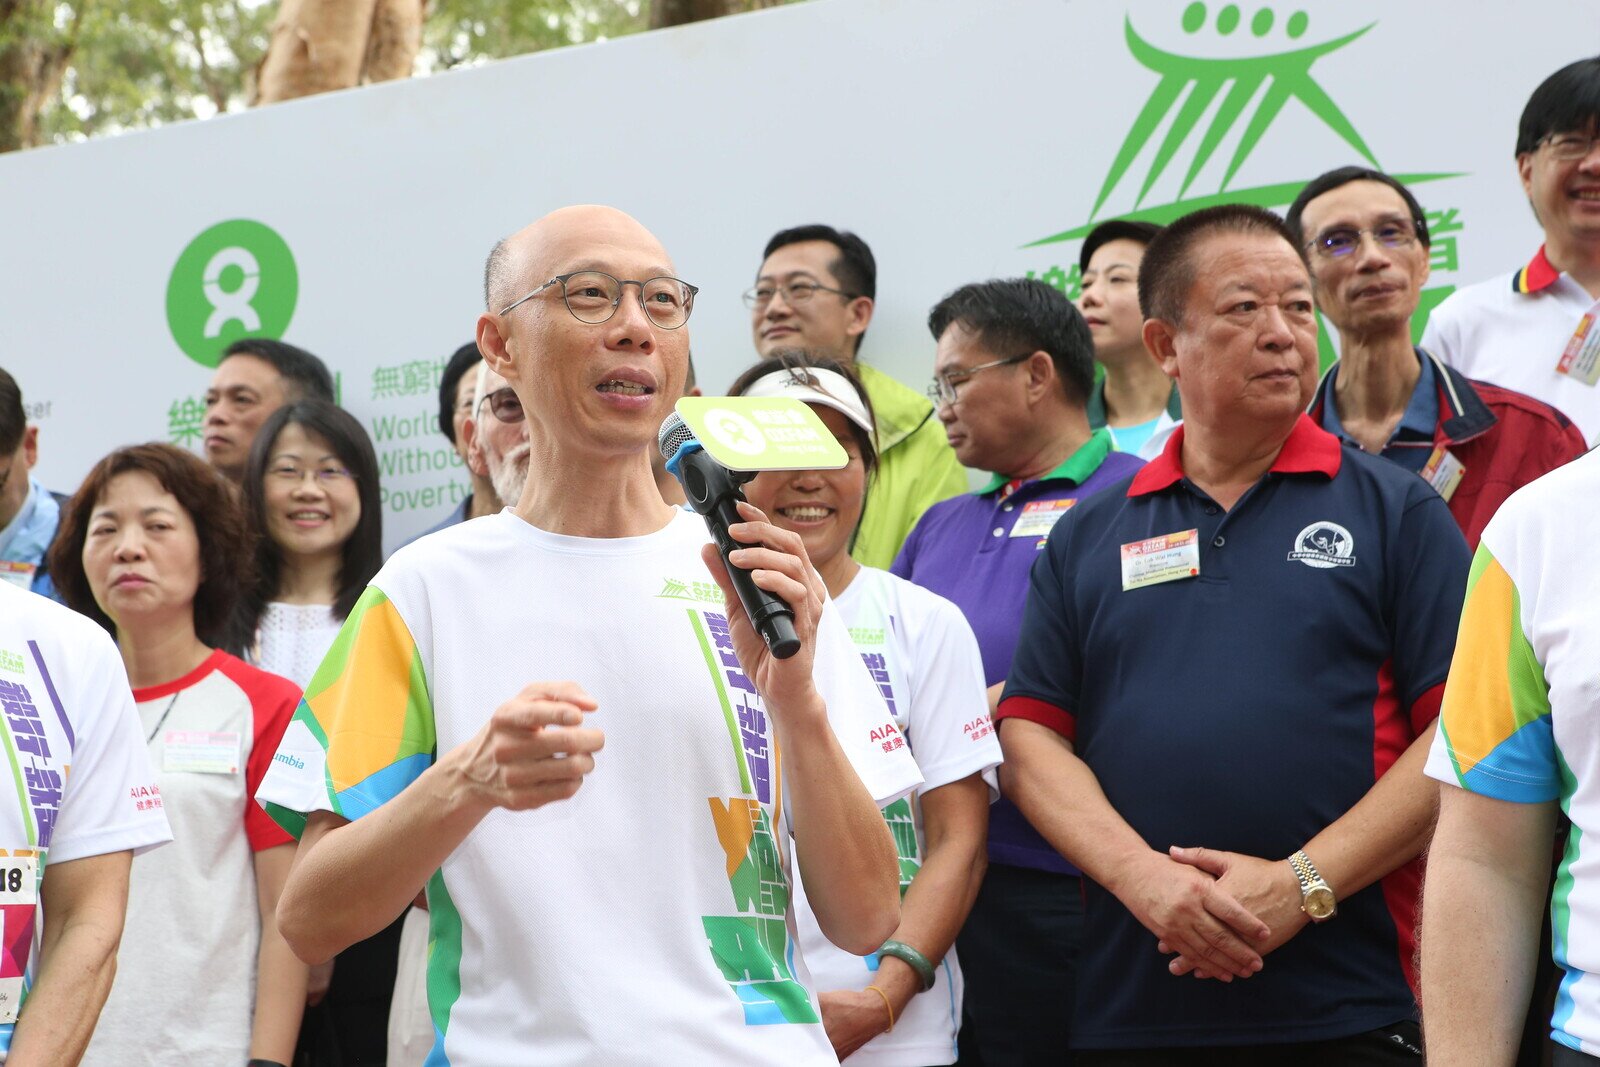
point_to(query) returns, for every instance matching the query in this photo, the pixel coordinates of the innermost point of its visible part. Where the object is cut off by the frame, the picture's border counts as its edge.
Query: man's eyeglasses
(1341, 242)
(594, 296)
(943, 389)
(1569, 146)
(293, 474)
(505, 405)
(793, 293)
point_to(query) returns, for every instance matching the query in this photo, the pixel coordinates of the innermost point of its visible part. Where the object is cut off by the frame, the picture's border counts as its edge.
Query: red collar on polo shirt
(1309, 449)
(1538, 274)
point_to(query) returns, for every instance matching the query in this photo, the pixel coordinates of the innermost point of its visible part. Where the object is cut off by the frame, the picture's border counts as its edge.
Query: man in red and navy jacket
(1475, 443)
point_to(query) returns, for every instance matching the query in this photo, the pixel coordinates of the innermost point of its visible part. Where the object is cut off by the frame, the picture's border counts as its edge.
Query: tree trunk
(664, 13)
(319, 45)
(33, 60)
(396, 39)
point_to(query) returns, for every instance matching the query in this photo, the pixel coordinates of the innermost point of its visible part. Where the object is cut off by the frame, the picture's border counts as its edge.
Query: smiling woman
(153, 546)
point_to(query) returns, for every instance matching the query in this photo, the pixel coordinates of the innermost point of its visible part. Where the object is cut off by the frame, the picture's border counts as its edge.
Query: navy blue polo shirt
(975, 551)
(1246, 708)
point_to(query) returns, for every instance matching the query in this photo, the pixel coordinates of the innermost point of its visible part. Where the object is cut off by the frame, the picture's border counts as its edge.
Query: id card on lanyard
(40, 784)
(1581, 358)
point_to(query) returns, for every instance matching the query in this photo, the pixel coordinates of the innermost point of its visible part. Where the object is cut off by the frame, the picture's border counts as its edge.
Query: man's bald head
(538, 252)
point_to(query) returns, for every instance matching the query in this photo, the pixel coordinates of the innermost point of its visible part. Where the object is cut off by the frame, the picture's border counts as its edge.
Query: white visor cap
(832, 390)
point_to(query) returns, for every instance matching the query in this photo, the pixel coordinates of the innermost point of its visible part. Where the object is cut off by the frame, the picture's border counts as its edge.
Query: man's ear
(1158, 341)
(30, 447)
(492, 345)
(860, 312)
(476, 463)
(1042, 377)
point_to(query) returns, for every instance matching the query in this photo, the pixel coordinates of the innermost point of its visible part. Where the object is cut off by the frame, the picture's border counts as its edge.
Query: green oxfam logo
(237, 279)
(1187, 88)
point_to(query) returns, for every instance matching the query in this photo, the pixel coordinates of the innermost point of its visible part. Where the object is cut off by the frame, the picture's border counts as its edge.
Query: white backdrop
(952, 135)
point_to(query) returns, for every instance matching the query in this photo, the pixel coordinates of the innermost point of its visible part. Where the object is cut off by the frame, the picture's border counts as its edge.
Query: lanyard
(162, 721)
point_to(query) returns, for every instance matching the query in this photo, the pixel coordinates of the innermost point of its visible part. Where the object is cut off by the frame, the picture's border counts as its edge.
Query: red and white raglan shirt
(186, 972)
(80, 783)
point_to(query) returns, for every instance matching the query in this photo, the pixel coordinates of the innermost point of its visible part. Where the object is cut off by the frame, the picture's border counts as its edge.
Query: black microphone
(713, 491)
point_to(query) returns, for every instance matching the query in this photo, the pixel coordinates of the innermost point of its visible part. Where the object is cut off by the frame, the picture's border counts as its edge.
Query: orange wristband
(887, 1005)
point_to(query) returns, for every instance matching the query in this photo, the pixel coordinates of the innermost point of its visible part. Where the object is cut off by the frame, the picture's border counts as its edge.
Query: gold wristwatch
(1316, 896)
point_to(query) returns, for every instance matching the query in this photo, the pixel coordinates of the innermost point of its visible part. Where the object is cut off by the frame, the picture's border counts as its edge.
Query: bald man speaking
(552, 720)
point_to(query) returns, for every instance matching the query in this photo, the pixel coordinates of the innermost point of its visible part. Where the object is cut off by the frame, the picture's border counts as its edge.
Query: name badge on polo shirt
(1443, 471)
(1040, 517)
(1160, 559)
(18, 574)
(1581, 358)
(199, 752)
(19, 897)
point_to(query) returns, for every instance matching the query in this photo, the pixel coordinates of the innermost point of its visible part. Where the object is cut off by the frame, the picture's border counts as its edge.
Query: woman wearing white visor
(901, 1006)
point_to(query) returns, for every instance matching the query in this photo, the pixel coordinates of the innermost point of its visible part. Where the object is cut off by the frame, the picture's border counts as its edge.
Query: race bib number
(1444, 472)
(198, 752)
(1160, 559)
(19, 898)
(18, 574)
(1040, 517)
(1581, 358)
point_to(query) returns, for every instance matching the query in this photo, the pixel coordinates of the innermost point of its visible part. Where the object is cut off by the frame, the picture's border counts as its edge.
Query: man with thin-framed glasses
(1534, 329)
(1013, 372)
(626, 906)
(1366, 239)
(816, 289)
(29, 513)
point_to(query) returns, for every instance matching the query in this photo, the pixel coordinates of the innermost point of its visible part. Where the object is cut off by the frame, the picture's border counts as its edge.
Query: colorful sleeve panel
(365, 729)
(1495, 724)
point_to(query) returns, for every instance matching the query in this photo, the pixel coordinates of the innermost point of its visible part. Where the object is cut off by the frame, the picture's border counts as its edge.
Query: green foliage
(464, 32)
(143, 63)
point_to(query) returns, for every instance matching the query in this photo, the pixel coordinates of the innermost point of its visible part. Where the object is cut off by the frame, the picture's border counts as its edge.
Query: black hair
(797, 361)
(1115, 230)
(1012, 315)
(304, 375)
(854, 267)
(363, 551)
(13, 419)
(1166, 273)
(1333, 179)
(464, 359)
(1567, 101)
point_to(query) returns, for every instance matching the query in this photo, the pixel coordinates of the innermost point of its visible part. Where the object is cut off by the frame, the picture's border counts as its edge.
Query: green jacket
(917, 468)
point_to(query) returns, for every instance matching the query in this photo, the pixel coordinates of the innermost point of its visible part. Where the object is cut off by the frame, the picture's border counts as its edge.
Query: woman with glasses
(311, 490)
(902, 1005)
(155, 548)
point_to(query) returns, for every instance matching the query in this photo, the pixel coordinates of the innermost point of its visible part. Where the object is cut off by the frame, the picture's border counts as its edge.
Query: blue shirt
(1246, 708)
(1412, 441)
(976, 550)
(29, 535)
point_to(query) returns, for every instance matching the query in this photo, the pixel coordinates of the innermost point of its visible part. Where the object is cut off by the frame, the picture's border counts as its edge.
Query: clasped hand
(1219, 912)
(534, 749)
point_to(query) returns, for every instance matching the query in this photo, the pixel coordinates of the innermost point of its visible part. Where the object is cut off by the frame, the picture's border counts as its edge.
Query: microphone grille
(674, 433)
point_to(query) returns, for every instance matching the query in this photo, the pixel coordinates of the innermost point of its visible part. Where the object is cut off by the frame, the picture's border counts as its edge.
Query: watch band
(1305, 871)
(1316, 895)
(913, 959)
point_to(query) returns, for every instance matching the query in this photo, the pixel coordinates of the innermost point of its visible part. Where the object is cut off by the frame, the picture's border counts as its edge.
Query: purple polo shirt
(977, 550)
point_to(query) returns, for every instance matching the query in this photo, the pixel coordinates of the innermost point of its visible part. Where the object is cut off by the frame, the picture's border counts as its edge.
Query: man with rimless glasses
(816, 290)
(1367, 243)
(627, 906)
(1534, 328)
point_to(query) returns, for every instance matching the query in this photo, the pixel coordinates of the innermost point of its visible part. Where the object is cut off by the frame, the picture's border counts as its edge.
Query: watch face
(1320, 904)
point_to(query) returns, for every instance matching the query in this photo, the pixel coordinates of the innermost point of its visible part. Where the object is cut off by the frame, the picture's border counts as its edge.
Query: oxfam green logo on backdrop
(237, 279)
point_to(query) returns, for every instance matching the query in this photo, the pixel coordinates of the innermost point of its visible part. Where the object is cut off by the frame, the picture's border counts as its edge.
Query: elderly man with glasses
(1475, 443)
(816, 289)
(626, 906)
(1013, 371)
(1533, 328)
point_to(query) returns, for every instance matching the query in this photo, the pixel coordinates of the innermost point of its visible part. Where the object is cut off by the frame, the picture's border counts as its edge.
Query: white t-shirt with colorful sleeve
(646, 920)
(80, 783)
(922, 653)
(1521, 714)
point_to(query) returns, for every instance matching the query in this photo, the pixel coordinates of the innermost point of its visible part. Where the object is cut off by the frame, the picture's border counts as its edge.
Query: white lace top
(293, 638)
